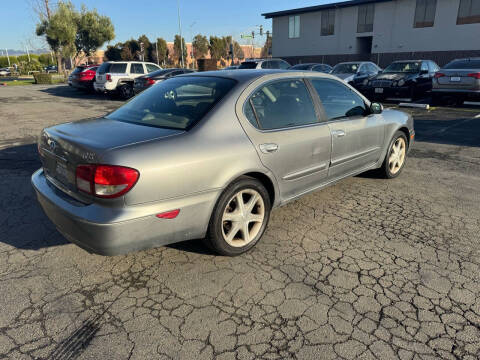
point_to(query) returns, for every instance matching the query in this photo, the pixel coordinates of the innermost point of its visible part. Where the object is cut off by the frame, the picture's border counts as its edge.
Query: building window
(294, 27)
(365, 18)
(468, 12)
(425, 13)
(328, 22)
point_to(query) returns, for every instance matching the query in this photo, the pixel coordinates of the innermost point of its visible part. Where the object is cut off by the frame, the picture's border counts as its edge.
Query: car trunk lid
(458, 78)
(65, 146)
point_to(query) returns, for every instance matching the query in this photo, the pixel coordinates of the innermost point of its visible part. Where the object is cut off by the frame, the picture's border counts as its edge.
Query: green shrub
(43, 78)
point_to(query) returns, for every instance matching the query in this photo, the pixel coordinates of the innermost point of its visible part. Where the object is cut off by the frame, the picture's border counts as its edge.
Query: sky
(155, 18)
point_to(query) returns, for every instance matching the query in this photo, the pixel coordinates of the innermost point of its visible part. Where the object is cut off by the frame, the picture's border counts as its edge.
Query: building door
(364, 45)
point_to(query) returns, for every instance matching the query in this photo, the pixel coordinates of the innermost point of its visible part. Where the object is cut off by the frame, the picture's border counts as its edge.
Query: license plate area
(55, 167)
(378, 90)
(455, 79)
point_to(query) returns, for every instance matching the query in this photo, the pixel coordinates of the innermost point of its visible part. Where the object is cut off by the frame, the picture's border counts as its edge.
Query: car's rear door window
(338, 100)
(118, 68)
(178, 103)
(281, 104)
(136, 68)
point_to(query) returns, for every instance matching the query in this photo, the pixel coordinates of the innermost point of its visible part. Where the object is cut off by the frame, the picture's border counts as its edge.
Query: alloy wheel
(243, 217)
(397, 155)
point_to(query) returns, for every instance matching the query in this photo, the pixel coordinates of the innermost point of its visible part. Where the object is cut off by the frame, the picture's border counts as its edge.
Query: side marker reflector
(169, 214)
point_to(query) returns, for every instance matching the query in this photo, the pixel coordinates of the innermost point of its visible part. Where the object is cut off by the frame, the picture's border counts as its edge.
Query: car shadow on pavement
(462, 131)
(23, 224)
(196, 246)
(73, 93)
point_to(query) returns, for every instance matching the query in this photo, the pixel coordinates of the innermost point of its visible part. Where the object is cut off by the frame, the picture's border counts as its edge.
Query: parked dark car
(355, 73)
(458, 80)
(323, 68)
(264, 64)
(143, 82)
(51, 68)
(83, 77)
(403, 79)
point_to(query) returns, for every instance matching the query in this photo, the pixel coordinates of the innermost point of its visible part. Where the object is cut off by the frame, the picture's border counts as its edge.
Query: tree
(131, 50)
(114, 53)
(177, 48)
(147, 48)
(60, 30)
(218, 47)
(238, 51)
(93, 30)
(162, 50)
(266, 48)
(200, 46)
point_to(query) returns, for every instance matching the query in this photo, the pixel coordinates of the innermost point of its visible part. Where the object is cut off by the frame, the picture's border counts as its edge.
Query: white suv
(119, 76)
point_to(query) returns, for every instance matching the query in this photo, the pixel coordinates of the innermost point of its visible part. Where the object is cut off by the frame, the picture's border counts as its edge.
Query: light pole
(180, 30)
(8, 57)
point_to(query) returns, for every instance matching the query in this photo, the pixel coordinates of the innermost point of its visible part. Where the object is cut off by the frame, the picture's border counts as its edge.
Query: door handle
(338, 133)
(268, 148)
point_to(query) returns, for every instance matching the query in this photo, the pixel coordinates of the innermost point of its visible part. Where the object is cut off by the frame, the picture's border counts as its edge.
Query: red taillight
(475, 75)
(105, 181)
(439, 75)
(108, 77)
(149, 81)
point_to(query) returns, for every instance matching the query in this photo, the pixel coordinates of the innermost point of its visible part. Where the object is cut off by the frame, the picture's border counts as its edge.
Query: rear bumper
(111, 231)
(82, 84)
(474, 94)
(104, 87)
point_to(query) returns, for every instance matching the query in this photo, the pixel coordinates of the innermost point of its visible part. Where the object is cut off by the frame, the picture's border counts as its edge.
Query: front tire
(396, 156)
(240, 217)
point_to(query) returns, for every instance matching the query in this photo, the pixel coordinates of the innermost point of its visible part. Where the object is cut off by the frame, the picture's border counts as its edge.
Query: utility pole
(28, 54)
(8, 57)
(180, 30)
(156, 49)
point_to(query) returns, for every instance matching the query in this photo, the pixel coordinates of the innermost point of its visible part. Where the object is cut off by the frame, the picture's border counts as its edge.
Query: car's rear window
(248, 65)
(178, 103)
(118, 68)
(104, 68)
(463, 64)
(78, 69)
(301, 67)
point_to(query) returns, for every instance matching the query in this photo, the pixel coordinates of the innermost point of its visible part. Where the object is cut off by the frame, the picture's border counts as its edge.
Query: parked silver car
(208, 155)
(459, 79)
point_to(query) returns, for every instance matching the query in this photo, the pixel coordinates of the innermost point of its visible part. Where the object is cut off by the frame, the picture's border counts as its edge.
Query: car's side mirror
(376, 108)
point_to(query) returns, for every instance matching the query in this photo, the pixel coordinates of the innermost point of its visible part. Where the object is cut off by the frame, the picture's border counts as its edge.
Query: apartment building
(377, 30)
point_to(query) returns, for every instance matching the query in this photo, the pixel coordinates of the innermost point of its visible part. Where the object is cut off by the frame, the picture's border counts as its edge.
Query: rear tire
(125, 91)
(396, 156)
(239, 218)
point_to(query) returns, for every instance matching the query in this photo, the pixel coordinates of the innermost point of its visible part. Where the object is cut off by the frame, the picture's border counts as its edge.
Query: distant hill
(14, 52)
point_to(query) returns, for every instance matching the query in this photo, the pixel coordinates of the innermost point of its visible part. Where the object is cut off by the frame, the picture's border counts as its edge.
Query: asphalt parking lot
(369, 268)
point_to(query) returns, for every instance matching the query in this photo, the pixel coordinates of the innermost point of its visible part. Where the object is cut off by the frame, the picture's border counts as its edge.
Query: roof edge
(335, 5)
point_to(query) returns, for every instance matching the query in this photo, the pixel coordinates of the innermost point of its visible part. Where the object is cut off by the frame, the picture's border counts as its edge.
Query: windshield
(161, 72)
(248, 65)
(178, 103)
(345, 68)
(403, 67)
(463, 64)
(78, 69)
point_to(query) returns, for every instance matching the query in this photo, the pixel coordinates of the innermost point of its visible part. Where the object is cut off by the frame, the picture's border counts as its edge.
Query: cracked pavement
(366, 269)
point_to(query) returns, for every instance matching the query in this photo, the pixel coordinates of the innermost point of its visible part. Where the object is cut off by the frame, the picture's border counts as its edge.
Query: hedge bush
(43, 78)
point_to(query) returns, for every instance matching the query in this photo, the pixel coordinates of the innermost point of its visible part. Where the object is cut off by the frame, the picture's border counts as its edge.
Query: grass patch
(28, 82)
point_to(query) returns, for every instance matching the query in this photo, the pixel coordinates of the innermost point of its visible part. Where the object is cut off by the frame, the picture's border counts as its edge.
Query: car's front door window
(338, 100)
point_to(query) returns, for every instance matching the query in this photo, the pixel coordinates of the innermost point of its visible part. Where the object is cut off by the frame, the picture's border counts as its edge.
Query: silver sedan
(208, 156)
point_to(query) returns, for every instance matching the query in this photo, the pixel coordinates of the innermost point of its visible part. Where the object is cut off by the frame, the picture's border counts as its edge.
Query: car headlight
(365, 82)
(401, 82)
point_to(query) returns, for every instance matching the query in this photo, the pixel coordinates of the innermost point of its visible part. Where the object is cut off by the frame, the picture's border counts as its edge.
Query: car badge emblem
(52, 144)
